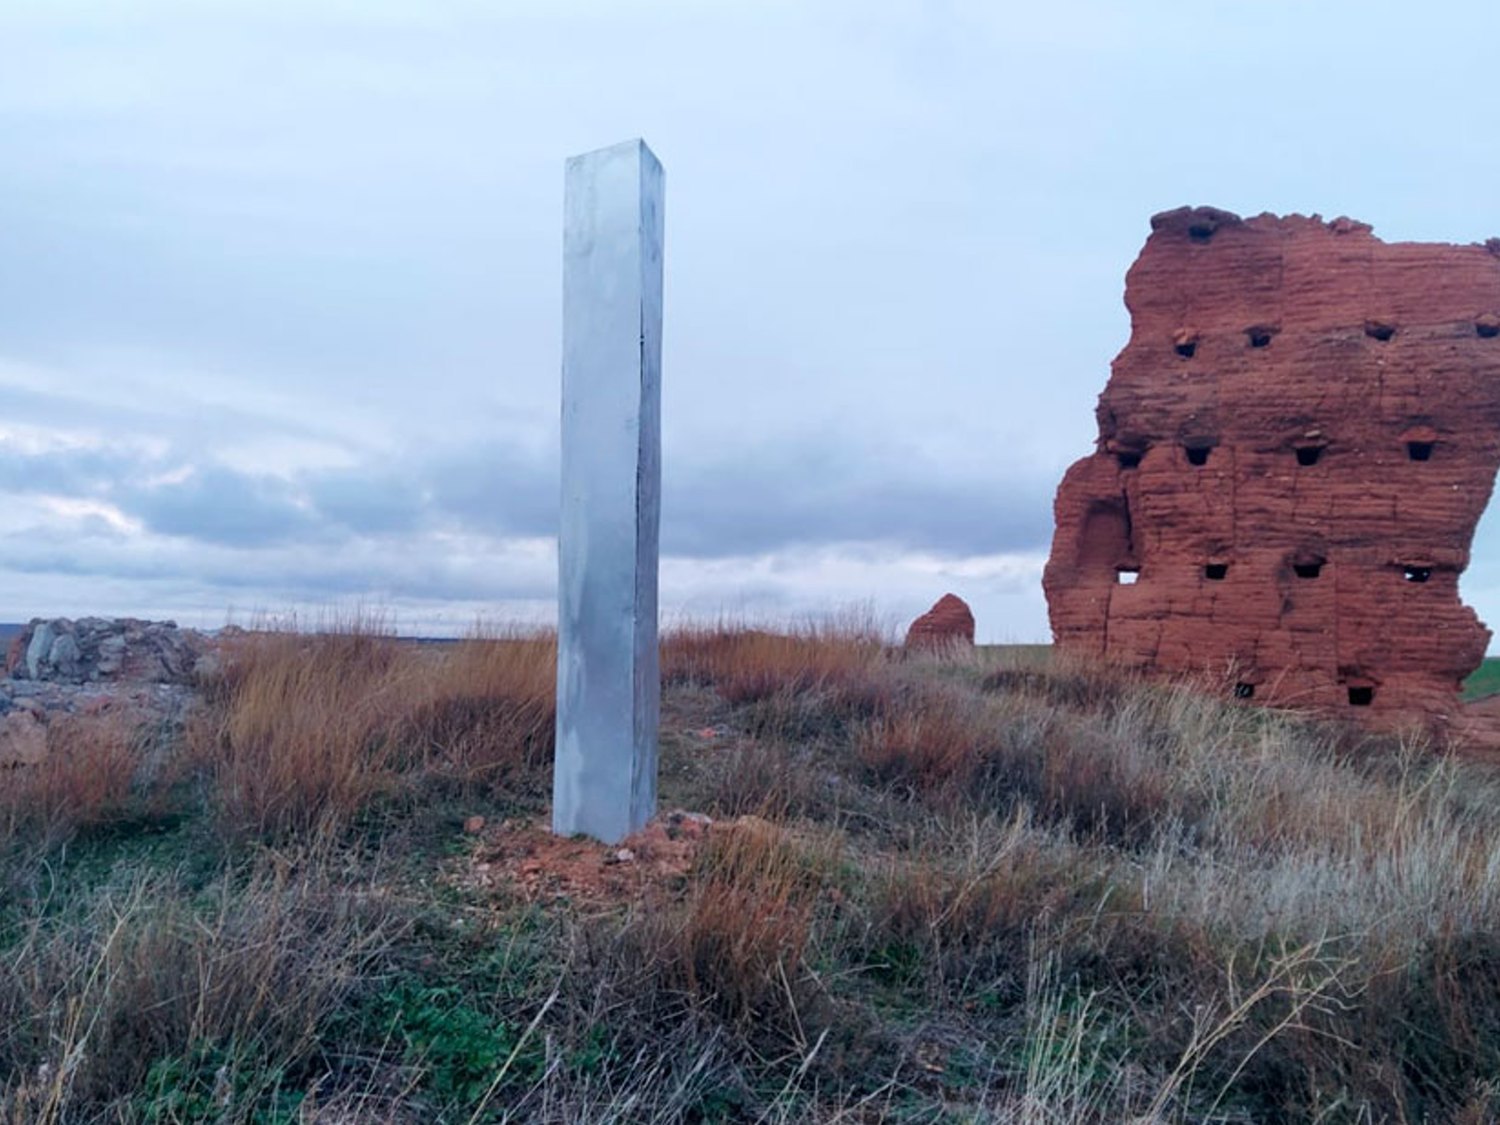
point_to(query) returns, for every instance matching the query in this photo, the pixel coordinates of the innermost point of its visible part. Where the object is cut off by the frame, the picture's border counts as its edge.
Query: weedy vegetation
(980, 887)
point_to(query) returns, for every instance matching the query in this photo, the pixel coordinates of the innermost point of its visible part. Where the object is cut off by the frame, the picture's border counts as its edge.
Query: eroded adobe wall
(1294, 449)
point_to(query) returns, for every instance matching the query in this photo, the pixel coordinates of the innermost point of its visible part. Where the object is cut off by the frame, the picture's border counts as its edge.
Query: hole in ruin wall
(1283, 286)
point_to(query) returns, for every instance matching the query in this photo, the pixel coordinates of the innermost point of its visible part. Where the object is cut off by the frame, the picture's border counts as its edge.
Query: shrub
(306, 731)
(86, 779)
(142, 985)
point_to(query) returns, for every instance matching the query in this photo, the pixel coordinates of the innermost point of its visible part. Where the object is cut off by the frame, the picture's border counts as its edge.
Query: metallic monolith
(608, 679)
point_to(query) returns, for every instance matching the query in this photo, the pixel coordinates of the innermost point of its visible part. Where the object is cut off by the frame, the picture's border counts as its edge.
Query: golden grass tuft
(742, 939)
(488, 713)
(86, 780)
(978, 887)
(749, 665)
(935, 737)
(305, 731)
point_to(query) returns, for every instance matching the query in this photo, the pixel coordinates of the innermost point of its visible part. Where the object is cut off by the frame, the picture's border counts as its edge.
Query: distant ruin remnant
(948, 624)
(1294, 449)
(608, 683)
(95, 649)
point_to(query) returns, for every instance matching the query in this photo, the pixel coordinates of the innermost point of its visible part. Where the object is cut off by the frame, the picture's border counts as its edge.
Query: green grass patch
(1485, 681)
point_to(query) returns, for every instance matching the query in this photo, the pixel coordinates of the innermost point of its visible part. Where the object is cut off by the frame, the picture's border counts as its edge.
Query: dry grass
(485, 716)
(990, 890)
(740, 943)
(834, 657)
(87, 780)
(306, 732)
(243, 975)
(300, 736)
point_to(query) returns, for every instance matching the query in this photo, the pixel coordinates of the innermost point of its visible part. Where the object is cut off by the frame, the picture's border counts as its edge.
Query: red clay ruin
(1294, 449)
(948, 624)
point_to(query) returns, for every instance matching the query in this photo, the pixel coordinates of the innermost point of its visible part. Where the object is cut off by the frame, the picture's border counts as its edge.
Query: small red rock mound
(950, 622)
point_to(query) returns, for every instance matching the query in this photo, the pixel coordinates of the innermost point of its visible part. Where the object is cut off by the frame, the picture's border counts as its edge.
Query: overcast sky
(280, 283)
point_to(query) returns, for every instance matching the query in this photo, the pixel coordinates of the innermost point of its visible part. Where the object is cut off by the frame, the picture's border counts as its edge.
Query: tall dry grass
(830, 657)
(92, 775)
(1325, 902)
(304, 732)
(244, 973)
(989, 889)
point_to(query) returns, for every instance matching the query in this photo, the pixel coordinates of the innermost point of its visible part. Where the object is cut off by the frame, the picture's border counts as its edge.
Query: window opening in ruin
(1487, 329)
(1216, 572)
(1126, 575)
(1307, 569)
(1129, 460)
(1381, 332)
(1417, 573)
(1186, 350)
(1197, 454)
(1419, 450)
(1244, 691)
(1200, 232)
(1361, 696)
(1308, 454)
(1259, 337)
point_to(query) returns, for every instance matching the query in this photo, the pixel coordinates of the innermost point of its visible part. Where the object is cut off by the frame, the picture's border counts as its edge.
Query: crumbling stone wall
(1294, 449)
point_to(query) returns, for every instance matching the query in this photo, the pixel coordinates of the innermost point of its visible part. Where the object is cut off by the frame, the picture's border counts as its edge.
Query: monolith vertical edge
(608, 677)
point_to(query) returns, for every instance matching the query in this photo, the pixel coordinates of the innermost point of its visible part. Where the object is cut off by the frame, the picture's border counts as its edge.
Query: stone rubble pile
(92, 649)
(138, 672)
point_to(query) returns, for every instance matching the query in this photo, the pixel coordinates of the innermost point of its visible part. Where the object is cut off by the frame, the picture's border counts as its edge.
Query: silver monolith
(608, 679)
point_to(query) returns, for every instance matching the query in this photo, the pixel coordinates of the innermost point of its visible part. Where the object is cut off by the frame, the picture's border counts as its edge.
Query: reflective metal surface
(608, 679)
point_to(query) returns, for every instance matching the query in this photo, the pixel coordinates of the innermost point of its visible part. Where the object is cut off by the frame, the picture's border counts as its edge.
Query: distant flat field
(1037, 655)
(1485, 680)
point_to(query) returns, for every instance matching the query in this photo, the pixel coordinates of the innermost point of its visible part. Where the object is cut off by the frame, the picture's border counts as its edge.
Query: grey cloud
(286, 573)
(378, 502)
(218, 505)
(767, 500)
(776, 503)
(764, 500)
(483, 489)
(91, 472)
(497, 489)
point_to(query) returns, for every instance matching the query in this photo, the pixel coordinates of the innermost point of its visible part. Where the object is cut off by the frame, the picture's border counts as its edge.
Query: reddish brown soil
(524, 859)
